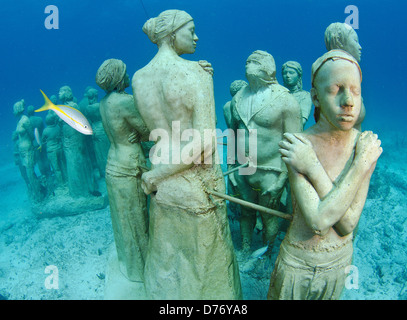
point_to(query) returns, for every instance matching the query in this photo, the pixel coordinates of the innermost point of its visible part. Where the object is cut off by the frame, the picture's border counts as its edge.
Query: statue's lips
(345, 117)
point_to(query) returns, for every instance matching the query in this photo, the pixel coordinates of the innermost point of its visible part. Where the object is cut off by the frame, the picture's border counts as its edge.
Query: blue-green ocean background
(90, 31)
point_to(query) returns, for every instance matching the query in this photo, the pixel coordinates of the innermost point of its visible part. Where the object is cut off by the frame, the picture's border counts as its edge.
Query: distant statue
(270, 110)
(40, 153)
(339, 35)
(329, 166)
(125, 164)
(292, 77)
(52, 139)
(101, 142)
(17, 159)
(26, 150)
(190, 252)
(79, 172)
(234, 88)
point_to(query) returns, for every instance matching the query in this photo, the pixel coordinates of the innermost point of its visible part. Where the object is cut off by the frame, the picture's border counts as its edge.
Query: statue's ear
(314, 97)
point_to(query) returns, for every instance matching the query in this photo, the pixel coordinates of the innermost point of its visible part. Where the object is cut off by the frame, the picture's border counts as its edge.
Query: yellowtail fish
(37, 138)
(70, 115)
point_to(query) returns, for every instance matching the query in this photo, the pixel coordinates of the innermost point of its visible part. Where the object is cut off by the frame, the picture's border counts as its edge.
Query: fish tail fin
(47, 105)
(40, 148)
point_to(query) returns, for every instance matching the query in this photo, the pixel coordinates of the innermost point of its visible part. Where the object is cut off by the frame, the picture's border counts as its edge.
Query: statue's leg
(247, 216)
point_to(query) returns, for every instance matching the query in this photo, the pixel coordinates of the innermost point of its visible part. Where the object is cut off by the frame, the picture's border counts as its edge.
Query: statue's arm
(345, 200)
(133, 117)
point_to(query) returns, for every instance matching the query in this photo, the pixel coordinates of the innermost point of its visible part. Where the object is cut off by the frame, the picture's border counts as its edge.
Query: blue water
(34, 57)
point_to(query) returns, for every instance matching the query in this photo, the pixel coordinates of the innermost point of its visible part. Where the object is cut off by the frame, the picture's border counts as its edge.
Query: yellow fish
(70, 115)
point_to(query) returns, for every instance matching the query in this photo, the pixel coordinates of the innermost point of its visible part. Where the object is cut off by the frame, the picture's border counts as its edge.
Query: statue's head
(336, 89)
(65, 94)
(342, 36)
(30, 110)
(18, 107)
(54, 99)
(92, 95)
(175, 27)
(112, 76)
(292, 75)
(51, 118)
(260, 66)
(236, 85)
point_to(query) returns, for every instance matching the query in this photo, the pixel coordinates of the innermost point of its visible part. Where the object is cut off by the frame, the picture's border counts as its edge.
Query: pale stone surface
(190, 253)
(329, 166)
(268, 108)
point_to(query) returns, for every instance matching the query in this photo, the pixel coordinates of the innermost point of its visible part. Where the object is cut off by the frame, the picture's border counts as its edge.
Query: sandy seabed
(78, 245)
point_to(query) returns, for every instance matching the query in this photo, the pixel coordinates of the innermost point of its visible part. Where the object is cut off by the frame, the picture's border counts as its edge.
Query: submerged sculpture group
(181, 247)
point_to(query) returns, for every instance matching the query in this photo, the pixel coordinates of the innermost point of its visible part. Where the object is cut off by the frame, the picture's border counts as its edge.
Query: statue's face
(353, 47)
(63, 93)
(254, 68)
(338, 93)
(290, 77)
(185, 39)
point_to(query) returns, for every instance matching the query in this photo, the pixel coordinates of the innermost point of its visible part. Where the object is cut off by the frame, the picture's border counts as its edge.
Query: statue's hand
(147, 183)
(368, 149)
(134, 137)
(206, 66)
(297, 152)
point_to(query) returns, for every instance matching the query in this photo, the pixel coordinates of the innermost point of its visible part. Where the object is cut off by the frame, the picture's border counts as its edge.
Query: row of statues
(169, 220)
(65, 158)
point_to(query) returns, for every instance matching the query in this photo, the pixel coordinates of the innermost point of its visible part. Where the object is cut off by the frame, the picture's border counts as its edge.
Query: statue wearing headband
(292, 77)
(329, 167)
(339, 35)
(268, 109)
(125, 164)
(190, 253)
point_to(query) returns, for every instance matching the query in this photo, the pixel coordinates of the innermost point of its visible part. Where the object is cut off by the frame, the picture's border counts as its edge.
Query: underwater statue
(100, 140)
(292, 77)
(234, 88)
(329, 166)
(339, 35)
(125, 164)
(40, 151)
(269, 109)
(79, 172)
(17, 159)
(26, 150)
(190, 252)
(52, 139)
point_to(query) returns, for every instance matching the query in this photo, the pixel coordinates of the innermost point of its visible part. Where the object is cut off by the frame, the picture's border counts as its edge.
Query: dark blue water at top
(89, 32)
